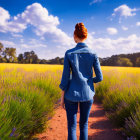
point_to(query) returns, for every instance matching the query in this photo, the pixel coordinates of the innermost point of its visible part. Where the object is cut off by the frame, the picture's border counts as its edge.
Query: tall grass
(28, 95)
(120, 94)
(30, 92)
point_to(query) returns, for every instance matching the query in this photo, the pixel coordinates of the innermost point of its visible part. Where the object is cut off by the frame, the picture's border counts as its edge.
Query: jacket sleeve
(97, 69)
(66, 73)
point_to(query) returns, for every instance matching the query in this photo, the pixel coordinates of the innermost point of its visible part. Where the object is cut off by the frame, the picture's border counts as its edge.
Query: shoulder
(69, 51)
(85, 49)
(91, 52)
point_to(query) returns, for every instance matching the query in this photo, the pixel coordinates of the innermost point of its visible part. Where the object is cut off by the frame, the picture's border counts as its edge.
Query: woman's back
(80, 60)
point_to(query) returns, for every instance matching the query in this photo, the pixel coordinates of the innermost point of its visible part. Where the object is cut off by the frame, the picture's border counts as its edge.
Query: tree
(61, 60)
(43, 61)
(15, 60)
(20, 58)
(30, 57)
(57, 60)
(124, 62)
(9, 54)
(138, 62)
(1, 48)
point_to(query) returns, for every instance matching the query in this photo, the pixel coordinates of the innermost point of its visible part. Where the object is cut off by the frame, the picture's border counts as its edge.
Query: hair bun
(79, 26)
(80, 30)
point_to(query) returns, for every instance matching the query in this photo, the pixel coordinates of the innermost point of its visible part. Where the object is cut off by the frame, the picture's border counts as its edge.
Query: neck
(80, 41)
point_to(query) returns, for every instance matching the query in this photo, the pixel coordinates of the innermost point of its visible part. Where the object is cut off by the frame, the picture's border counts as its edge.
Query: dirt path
(99, 127)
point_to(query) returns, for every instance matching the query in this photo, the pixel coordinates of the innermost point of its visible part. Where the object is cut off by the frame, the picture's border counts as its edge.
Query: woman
(78, 87)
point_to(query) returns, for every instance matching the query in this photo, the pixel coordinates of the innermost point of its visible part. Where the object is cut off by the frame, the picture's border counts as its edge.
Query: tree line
(128, 60)
(8, 55)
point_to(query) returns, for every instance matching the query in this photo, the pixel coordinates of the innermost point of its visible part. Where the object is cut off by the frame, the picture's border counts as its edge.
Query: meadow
(28, 96)
(30, 92)
(119, 93)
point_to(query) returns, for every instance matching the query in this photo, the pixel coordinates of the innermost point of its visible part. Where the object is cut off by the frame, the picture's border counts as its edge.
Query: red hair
(80, 31)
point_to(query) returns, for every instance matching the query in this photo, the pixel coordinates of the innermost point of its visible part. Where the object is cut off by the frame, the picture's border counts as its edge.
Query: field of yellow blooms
(29, 93)
(120, 94)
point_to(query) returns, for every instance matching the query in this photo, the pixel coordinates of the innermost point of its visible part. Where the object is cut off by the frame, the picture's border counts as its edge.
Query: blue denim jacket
(77, 77)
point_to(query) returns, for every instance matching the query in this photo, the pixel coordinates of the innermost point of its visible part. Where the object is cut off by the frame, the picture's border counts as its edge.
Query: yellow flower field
(30, 92)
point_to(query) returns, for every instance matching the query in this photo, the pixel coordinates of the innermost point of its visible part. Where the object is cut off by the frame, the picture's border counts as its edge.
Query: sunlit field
(30, 92)
(120, 94)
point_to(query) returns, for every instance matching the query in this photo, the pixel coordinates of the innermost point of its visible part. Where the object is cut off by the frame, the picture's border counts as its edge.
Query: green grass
(29, 93)
(119, 93)
(27, 101)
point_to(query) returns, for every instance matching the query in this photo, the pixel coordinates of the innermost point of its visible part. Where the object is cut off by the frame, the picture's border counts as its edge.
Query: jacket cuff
(61, 87)
(95, 80)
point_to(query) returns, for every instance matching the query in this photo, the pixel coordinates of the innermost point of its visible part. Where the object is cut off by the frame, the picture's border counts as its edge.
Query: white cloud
(94, 1)
(9, 26)
(106, 46)
(33, 43)
(138, 23)
(35, 15)
(16, 35)
(92, 33)
(21, 40)
(112, 31)
(7, 43)
(124, 28)
(4, 16)
(124, 11)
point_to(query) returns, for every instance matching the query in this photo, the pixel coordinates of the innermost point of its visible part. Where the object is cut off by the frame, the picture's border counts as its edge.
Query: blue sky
(47, 26)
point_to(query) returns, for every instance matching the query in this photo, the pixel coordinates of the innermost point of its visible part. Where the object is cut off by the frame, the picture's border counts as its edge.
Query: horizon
(47, 27)
(102, 57)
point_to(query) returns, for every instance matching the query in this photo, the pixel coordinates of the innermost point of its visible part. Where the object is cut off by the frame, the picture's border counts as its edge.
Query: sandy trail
(99, 126)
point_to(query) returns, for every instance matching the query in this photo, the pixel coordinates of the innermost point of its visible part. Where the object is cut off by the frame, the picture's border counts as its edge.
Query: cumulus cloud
(106, 46)
(124, 11)
(33, 43)
(94, 1)
(92, 33)
(138, 23)
(7, 25)
(112, 31)
(37, 16)
(4, 16)
(124, 28)
(8, 43)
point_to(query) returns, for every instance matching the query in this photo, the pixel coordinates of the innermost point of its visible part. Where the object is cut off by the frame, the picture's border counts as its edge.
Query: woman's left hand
(62, 100)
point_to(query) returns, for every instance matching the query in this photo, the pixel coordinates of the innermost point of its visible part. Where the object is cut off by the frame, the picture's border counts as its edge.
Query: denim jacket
(77, 77)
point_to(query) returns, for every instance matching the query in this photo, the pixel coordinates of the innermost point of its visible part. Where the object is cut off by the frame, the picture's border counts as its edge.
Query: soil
(99, 126)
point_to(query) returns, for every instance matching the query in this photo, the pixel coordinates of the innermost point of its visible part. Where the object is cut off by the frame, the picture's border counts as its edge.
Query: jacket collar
(81, 44)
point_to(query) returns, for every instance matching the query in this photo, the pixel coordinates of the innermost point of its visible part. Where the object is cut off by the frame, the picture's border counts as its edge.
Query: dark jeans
(71, 111)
